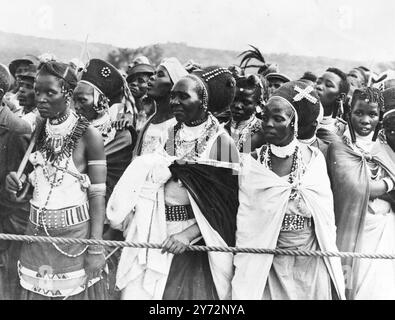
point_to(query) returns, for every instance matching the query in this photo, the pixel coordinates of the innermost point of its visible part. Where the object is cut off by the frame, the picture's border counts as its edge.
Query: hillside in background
(14, 46)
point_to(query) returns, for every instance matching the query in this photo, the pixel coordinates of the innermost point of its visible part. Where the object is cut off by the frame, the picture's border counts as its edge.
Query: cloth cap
(221, 87)
(104, 76)
(31, 72)
(278, 76)
(140, 68)
(174, 68)
(303, 98)
(141, 60)
(29, 59)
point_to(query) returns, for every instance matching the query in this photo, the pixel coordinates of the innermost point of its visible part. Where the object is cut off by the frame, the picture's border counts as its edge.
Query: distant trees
(122, 57)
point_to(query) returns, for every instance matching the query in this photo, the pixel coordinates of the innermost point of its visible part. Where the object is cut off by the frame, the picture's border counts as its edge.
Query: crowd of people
(183, 155)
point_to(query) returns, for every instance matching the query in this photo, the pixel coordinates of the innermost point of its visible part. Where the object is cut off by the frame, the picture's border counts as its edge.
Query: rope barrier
(124, 244)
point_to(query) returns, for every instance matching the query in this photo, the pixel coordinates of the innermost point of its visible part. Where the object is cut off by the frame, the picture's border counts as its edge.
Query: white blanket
(137, 207)
(263, 197)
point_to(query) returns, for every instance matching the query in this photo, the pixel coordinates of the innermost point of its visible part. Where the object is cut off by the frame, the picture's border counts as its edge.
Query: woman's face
(50, 100)
(364, 117)
(276, 122)
(327, 87)
(139, 85)
(83, 101)
(389, 130)
(185, 102)
(160, 84)
(244, 105)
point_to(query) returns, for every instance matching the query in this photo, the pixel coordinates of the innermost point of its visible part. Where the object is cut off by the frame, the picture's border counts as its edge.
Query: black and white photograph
(203, 153)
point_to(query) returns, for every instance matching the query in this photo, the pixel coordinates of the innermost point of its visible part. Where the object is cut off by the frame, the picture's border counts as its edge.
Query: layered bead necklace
(297, 168)
(56, 143)
(190, 149)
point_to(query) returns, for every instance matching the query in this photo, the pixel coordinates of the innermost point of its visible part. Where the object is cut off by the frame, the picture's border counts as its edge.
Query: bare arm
(377, 189)
(97, 175)
(95, 260)
(177, 243)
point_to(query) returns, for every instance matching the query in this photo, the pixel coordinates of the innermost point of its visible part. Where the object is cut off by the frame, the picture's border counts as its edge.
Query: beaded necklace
(190, 150)
(57, 144)
(61, 119)
(297, 169)
(252, 127)
(52, 158)
(197, 122)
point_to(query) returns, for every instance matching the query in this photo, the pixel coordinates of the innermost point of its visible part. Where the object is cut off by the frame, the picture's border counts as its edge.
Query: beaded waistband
(179, 213)
(61, 218)
(295, 222)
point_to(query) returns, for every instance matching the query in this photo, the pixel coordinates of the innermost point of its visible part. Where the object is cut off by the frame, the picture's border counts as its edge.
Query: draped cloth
(350, 179)
(142, 273)
(264, 197)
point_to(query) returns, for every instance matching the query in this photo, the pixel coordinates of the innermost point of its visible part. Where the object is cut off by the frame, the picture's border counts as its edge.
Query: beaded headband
(213, 73)
(203, 88)
(388, 113)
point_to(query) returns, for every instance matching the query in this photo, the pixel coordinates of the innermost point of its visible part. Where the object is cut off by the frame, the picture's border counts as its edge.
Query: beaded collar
(285, 151)
(197, 122)
(61, 119)
(192, 149)
(56, 142)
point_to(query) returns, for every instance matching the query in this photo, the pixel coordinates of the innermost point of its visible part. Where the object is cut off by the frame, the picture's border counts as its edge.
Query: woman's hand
(94, 264)
(176, 243)
(13, 184)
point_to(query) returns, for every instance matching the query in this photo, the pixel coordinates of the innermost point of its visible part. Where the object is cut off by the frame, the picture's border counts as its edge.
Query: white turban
(174, 68)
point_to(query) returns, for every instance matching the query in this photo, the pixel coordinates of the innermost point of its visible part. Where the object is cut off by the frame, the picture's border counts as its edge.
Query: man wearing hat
(137, 79)
(13, 145)
(276, 80)
(25, 94)
(17, 67)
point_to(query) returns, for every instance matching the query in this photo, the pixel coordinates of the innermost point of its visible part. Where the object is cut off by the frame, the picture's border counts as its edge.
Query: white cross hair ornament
(305, 93)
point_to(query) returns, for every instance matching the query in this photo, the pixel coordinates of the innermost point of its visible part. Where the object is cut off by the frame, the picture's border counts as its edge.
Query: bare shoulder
(93, 142)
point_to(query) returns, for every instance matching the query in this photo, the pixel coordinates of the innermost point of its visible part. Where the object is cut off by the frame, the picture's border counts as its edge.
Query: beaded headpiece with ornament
(106, 81)
(303, 100)
(220, 85)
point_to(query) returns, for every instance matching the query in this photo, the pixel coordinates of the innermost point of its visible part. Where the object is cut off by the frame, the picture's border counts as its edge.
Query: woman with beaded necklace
(286, 202)
(68, 198)
(187, 195)
(363, 176)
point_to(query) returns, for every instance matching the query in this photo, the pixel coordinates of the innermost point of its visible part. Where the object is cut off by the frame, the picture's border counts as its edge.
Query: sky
(352, 29)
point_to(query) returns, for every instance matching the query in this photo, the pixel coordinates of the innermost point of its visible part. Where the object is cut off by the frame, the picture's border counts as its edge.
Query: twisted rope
(124, 244)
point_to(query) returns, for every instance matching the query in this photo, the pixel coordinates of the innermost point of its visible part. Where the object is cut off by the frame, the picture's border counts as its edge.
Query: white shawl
(263, 197)
(137, 207)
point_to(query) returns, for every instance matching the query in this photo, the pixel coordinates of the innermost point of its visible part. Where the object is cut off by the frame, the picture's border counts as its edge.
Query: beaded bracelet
(95, 249)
